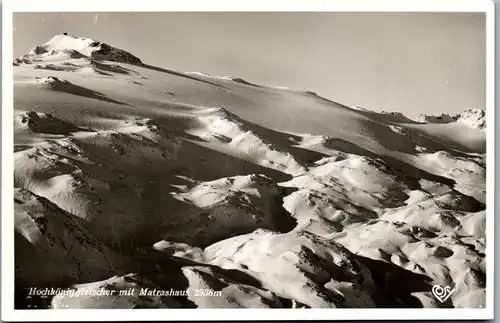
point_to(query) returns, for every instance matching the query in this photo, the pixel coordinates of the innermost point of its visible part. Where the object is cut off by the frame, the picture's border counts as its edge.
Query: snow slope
(272, 197)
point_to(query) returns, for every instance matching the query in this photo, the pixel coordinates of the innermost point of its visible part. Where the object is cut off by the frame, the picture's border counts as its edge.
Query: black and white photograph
(284, 160)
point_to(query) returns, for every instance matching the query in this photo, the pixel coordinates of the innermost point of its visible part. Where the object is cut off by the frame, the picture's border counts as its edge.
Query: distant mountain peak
(441, 118)
(474, 118)
(87, 47)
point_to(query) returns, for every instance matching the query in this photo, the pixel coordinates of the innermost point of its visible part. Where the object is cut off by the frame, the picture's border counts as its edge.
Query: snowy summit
(65, 46)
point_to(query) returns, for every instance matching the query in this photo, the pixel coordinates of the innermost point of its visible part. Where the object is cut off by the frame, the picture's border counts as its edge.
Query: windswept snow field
(130, 176)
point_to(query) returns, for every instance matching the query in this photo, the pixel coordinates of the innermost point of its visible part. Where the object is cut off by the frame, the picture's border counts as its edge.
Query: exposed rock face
(108, 53)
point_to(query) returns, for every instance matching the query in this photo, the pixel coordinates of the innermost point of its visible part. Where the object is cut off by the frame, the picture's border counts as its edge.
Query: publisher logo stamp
(442, 293)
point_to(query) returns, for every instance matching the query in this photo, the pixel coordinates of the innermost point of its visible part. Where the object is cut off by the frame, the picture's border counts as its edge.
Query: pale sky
(408, 62)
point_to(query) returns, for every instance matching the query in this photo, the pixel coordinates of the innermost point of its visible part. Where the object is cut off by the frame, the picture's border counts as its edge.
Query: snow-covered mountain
(474, 118)
(67, 47)
(130, 176)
